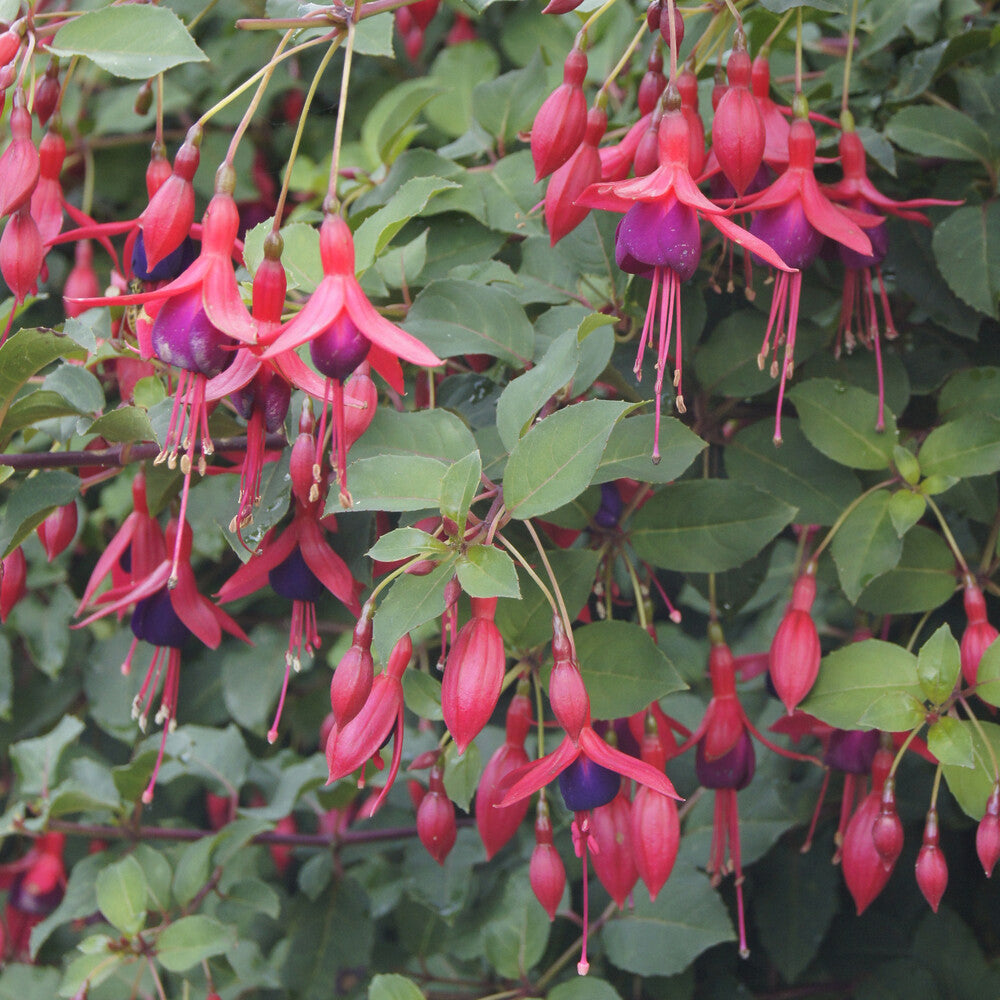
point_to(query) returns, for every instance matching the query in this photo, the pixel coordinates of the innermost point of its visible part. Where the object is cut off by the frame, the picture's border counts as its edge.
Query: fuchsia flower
(979, 633)
(166, 617)
(793, 216)
(660, 236)
(795, 651)
(344, 329)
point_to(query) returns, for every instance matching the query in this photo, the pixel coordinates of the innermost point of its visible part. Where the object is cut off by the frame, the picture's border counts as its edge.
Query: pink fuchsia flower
(795, 651)
(793, 215)
(344, 329)
(299, 565)
(166, 617)
(660, 236)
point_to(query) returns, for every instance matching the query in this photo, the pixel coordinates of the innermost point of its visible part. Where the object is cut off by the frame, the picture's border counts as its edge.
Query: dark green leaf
(966, 447)
(434, 434)
(516, 936)
(135, 42)
(967, 251)
(707, 526)
(839, 420)
(780, 6)
(627, 454)
(795, 472)
(581, 988)
(459, 68)
(123, 426)
(411, 601)
(507, 105)
(36, 761)
(32, 502)
(868, 685)
(553, 463)
(25, 354)
(973, 392)
(463, 317)
(867, 545)
(930, 130)
(402, 482)
(624, 669)
(923, 579)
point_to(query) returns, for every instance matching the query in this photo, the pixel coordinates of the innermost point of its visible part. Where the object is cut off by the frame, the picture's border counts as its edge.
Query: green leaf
(930, 130)
(972, 786)
(664, 937)
(459, 68)
(397, 482)
(453, 317)
(950, 740)
(794, 472)
(923, 579)
(972, 392)
(79, 901)
(780, 6)
(867, 545)
(300, 256)
(373, 36)
(906, 509)
(988, 674)
(158, 874)
(32, 502)
(524, 395)
(411, 601)
(123, 426)
(36, 761)
(839, 420)
(122, 895)
(434, 434)
(252, 676)
(79, 387)
(485, 571)
(422, 694)
(190, 940)
(388, 127)
(458, 486)
(394, 987)
(192, 870)
(403, 543)
(508, 104)
(528, 622)
(135, 41)
(461, 774)
(967, 251)
(868, 685)
(26, 353)
(938, 664)
(707, 526)
(553, 463)
(624, 668)
(627, 455)
(584, 988)
(961, 448)
(375, 233)
(514, 940)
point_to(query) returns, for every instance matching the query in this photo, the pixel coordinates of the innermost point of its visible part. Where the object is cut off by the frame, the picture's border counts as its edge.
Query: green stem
(948, 536)
(798, 50)
(555, 583)
(338, 132)
(978, 726)
(621, 64)
(527, 569)
(849, 58)
(904, 746)
(916, 631)
(581, 35)
(846, 513)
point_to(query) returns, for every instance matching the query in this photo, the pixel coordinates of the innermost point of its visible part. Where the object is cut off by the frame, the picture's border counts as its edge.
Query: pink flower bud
(561, 121)
(652, 85)
(81, 282)
(19, 162)
(795, 652)
(613, 858)
(656, 836)
(738, 128)
(21, 253)
(13, 573)
(46, 200)
(864, 872)
(979, 633)
(546, 872)
(887, 829)
(932, 868)
(47, 93)
(59, 529)
(473, 674)
(436, 818)
(561, 6)
(687, 87)
(167, 218)
(988, 833)
(583, 168)
(352, 680)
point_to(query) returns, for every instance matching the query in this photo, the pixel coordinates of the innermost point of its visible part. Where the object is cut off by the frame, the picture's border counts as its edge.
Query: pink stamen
(807, 844)
(789, 359)
(581, 842)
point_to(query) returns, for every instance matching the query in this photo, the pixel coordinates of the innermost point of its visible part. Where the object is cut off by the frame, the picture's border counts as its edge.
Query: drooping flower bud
(654, 824)
(473, 674)
(583, 168)
(436, 818)
(546, 872)
(21, 252)
(47, 93)
(13, 573)
(46, 199)
(58, 529)
(978, 634)
(496, 823)
(931, 867)
(887, 830)
(81, 282)
(167, 218)
(687, 87)
(352, 679)
(614, 856)
(561, 121)
(864, 872)
(653, 83)
(738, 127)
(567, 693)
(158, 170)
(988, 833)
(19, 163)
(795, 651)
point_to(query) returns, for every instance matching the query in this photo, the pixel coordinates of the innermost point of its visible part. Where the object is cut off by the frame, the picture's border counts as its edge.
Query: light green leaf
(950, 740)
(33, 501)
(972, 786)
(398, 482)
(122, 895)
(422, 694)
(411, 601)
(961, 448)
(403, 543)
(623, 667)
(707, 526)
(393, 987)
(988, 674)
(553, 463)
(485, 571)
(461, 774)
(867, 544)
(938, 664)
(134, 41)
(434, 434)
(458, 486)
(873, 681)
(190, 940)
(36, 761)
(123, 426)
(584, 988)
(839, 420)
(906, 509)
(388, 127)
